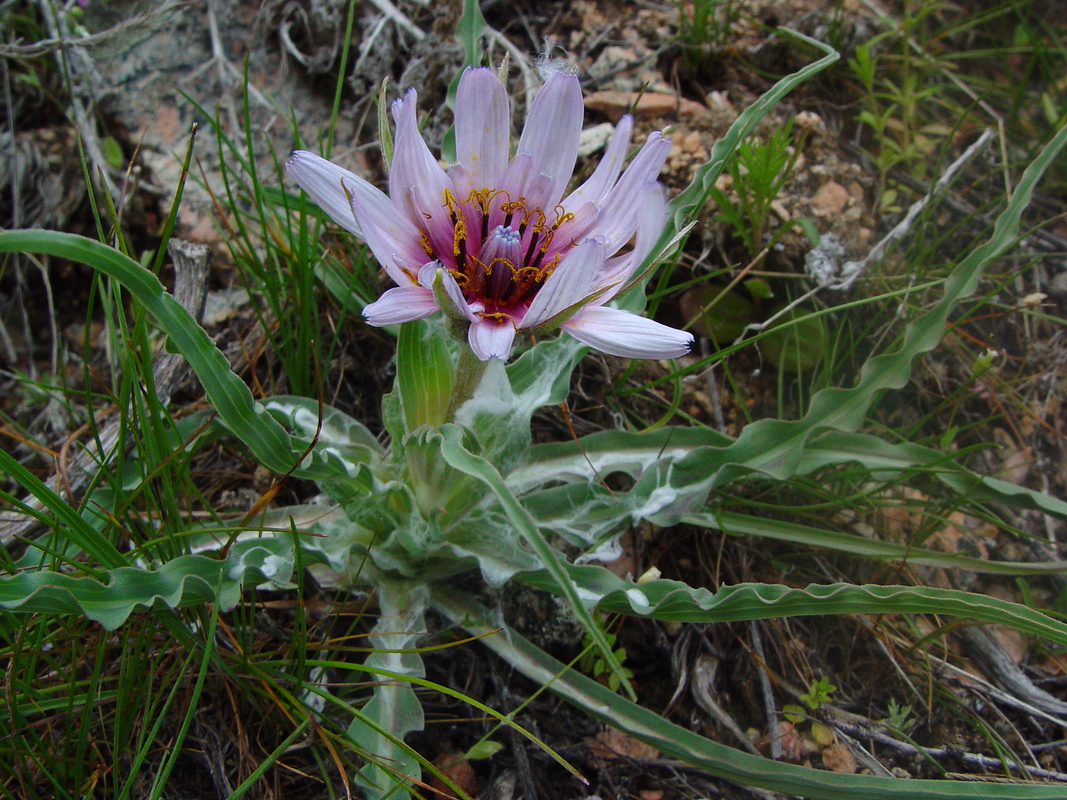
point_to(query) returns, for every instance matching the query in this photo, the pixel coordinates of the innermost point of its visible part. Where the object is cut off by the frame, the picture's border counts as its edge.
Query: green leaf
(717, 759)
(424, 373)
(182, 581)
(486, 748)
(469, 32)
(337, 446)
(239, 411)
(809, 537)
(393, 710)
(678, 602)
(797, 341)
(459, 457)
(716, 312)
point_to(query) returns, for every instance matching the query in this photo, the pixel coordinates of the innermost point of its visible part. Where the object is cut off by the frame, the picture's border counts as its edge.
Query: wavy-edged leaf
(679, 602)
(777, 448)
(886, 461)
(182, 581)
(339, 450)
(393, 710)
(676, 459)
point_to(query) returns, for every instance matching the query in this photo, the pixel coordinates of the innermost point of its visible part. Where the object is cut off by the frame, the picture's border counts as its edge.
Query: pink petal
(620, 333)
(491, 339)
(607, 171)
(483, 126)
(553, 128)
(325, 183)
(394, 240)
(518, 173)
(650, 219)
(573, 280)
(622, 203)
(401, 304)
(417, 184)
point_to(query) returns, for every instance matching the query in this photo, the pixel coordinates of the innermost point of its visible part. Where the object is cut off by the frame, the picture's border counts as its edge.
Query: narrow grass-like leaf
(246, 418)
(779, 530)
(503, 719)
(75, 528)
(162, 774)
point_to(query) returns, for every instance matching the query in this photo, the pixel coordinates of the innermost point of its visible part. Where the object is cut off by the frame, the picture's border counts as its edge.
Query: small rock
(831, 199)
(594, 138)
(838, 758)
(458, 769)
(790, 740)
(810, 121)
(612, 744)
(75, 333)
(1058, 285)
(650, 104)
(1015, 461)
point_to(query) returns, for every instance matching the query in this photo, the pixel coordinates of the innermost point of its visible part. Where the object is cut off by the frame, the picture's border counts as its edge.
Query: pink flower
(493, 241)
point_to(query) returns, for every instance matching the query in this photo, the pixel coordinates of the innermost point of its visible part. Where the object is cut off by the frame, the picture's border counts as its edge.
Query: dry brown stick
(985, 651)
(769, 707)
(45, 46)
(700, 684)
(861, 730)
(191, 262)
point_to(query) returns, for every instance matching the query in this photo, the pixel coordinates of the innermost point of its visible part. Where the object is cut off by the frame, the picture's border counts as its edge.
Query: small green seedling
(818, 693)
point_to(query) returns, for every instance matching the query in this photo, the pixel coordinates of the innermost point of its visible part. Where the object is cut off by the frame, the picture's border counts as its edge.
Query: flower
(493, 241)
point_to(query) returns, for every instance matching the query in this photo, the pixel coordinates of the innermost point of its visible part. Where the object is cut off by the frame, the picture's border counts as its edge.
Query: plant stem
(469, 373)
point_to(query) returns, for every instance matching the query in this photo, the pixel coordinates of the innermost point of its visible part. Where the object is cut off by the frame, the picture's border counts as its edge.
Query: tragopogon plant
(486, 256)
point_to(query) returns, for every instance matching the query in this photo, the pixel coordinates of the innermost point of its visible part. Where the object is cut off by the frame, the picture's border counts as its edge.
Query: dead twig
(51, 45)
(701, 684)
(770, 710)
(78, 68)
(985, 651)
(851, 270)
(861, 729)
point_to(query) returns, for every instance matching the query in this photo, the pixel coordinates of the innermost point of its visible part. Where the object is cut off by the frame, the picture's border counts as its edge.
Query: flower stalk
(469, 372)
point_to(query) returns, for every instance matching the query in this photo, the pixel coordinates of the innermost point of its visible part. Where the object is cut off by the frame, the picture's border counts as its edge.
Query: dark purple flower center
(501, 250)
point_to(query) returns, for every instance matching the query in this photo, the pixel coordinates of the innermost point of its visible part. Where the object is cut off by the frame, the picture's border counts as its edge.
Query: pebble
(831, 199)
